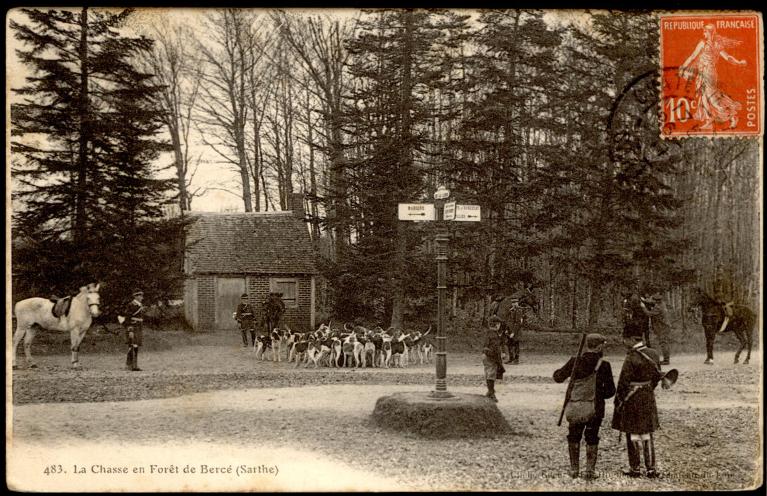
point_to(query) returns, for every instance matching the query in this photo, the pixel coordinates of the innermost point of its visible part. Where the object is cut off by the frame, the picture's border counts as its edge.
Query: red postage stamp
(712, 74)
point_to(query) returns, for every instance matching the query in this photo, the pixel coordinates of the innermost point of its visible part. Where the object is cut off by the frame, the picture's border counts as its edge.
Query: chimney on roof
(297, 204)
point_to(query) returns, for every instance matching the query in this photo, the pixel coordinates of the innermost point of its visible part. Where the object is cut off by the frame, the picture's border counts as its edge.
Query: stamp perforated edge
(760, 59)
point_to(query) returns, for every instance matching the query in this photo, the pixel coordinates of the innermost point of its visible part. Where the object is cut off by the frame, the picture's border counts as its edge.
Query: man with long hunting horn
(635, 412)
(133, 321)
(591, 383)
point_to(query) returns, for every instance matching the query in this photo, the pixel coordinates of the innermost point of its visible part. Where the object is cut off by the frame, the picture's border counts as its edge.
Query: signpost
(468, 213)
(449, 211)
(415, 211)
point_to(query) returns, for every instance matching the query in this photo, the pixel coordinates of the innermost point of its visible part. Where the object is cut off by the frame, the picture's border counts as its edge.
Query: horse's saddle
(61, 305)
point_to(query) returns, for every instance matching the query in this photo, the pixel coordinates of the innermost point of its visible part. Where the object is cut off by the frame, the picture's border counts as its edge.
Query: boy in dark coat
(247, 320)
(635, 411)
(605, 388)
(491, 358)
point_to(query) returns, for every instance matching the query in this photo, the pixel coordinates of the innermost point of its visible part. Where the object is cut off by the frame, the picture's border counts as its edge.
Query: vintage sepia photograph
(259, 250)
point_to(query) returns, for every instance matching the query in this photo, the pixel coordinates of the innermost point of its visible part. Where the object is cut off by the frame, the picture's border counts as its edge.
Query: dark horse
(273, 308)
(511, 308)
(741, 321)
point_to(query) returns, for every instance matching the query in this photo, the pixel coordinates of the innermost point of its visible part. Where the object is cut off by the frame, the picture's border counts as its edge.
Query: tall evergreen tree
(497, 157)
(395, 62)
(623, 216)
(88, 194)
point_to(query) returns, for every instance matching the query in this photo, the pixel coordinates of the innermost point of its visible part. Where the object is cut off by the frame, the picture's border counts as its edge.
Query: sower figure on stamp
(660, 326)
(635, 411)
(491, 358)
(713, 105)
(246, 317)
(134, 333)
(592, 385)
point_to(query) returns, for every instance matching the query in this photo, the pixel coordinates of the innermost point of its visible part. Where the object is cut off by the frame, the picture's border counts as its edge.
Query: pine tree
(395, 62)
(89, 198)
(622, 211)
(498, 156)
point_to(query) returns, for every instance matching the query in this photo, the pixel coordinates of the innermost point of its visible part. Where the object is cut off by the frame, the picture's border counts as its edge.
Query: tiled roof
(249, 243)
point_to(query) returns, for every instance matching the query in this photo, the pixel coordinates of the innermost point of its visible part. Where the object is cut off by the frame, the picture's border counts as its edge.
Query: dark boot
(244, 338)
(575, 454)
(253, 338)
(665, 348)
(591, 461)
(134, 365)
(649, 457)
(129, 359)
(633, 452)
(491, 390)
(515, 359)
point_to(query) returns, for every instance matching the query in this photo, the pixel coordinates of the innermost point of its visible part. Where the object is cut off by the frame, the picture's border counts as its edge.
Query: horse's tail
(21, 331)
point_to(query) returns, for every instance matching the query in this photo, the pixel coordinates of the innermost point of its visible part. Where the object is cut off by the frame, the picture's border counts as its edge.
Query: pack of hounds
(354, 346)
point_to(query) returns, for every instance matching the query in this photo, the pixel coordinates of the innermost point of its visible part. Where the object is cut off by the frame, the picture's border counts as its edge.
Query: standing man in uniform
(134, 332)
(636, 318)
(646, 306)
(247, 320)
(491, 358)
(589, 363)
(635, 411)
(516, 318)
(660, 326)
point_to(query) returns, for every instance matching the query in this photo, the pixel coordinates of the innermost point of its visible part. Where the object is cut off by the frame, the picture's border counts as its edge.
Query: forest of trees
(509, 109)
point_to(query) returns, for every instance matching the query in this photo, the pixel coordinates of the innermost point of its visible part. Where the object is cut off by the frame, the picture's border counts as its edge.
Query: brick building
(256, 253)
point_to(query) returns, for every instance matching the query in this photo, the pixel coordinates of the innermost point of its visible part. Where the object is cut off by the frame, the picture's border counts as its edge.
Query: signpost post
(439, 413)
(441, 212)
(440, 241)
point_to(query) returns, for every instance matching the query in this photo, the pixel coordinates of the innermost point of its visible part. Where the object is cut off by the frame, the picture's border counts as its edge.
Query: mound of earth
(463, 415)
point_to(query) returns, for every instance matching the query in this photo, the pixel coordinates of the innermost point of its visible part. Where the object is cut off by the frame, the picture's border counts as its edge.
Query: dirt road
(216, 406)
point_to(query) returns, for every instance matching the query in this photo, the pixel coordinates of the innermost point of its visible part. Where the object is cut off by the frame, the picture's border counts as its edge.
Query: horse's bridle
(92, 304)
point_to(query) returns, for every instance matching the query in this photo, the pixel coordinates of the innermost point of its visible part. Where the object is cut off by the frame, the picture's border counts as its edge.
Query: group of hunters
(591, 383)
(132, 318)
(590, 375)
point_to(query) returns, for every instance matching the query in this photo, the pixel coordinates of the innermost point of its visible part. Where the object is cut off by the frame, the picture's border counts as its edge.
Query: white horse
(34, 312)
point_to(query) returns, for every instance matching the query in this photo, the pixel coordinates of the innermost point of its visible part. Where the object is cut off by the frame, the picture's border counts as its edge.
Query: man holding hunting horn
(635, 412)
(133, 321)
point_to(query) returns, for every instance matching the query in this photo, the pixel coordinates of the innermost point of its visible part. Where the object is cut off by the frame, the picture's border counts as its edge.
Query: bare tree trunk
(84, 137)
(318, 44)
(229, 59)
(574, 295)
(172, 64)
(406, 160)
